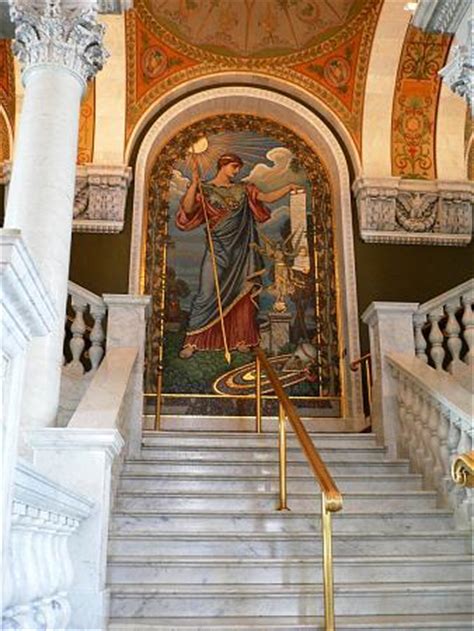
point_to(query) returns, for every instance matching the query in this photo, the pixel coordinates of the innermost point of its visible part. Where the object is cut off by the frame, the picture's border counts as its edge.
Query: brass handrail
(365, 361)
(331, 498)
(462, 469)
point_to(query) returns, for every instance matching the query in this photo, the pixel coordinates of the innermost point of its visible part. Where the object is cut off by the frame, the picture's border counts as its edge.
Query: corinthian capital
(58, 33)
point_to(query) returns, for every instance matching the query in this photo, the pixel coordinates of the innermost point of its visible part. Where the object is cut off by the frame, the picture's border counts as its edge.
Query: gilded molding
(393, 210)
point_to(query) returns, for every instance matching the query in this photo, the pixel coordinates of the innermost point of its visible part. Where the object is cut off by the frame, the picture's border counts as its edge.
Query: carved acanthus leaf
(56, 35)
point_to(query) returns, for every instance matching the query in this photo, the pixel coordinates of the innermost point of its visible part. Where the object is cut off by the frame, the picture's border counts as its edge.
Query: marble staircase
(196, 543)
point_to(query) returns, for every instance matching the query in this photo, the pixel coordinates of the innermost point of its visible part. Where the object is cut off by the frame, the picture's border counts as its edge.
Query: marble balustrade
(434, 426)
(85, 331)
(444, 332)
(37, 565)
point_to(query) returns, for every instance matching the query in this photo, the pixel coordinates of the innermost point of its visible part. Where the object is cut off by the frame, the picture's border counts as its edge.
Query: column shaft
(40, 204)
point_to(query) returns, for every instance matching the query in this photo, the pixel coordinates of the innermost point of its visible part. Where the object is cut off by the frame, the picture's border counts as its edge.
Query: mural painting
(231, 263)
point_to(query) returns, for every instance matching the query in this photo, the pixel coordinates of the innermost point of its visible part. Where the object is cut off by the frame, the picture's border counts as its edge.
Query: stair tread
(435, 512)
(360, 560)
(309, 534)
(271, 494)
(263, 476)
(401, 621)
(256, 589)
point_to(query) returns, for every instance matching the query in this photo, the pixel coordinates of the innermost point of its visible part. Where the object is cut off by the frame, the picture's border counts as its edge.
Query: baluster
(420, 343)
(468, 323)
(402, 414)
(426, 456)
(454, 436)
(78, 328)
(409, 416)
(452, 331)
(435, 444)
(443, 432)
(463, 507)
(417, 460)
(436, 340)
(97, 336)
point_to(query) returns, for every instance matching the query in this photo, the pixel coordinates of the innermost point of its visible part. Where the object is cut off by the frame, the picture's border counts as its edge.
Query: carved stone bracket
(101, 194)
(393, 210)
(100, 198)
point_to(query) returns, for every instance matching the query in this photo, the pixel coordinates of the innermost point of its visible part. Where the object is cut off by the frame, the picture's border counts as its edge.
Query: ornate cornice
(52, 34)
(393, 210)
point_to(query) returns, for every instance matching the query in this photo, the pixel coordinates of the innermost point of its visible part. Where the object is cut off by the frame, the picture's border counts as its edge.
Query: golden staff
(213, 259)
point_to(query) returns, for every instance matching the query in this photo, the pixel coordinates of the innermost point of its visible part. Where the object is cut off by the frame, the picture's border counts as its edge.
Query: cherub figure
(283, 254)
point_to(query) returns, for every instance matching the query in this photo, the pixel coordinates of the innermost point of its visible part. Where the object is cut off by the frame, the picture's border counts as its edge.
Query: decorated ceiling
(322, 46)
(252, 28)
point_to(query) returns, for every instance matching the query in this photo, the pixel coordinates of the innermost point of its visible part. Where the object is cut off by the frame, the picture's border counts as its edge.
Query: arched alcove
(319, 138)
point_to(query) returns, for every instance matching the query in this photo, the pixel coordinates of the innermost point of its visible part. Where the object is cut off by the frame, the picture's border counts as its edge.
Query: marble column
(59, 46)
(391, 331)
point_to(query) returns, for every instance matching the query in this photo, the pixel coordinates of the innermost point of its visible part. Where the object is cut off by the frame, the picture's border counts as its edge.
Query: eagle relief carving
(416, 212)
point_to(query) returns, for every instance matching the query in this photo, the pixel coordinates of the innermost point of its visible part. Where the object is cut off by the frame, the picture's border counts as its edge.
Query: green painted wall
(384, 272)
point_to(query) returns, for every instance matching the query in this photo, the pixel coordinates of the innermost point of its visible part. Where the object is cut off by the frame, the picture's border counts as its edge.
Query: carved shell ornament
(416, 212)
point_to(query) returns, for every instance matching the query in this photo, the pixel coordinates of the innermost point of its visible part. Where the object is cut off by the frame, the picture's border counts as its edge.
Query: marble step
(407, 622)
(270, 571)
(230, 469)
(269, 483)
(131, 600)
(356, 453)
(364, 543)
(247, 439)
(274, 521)
(241, 501)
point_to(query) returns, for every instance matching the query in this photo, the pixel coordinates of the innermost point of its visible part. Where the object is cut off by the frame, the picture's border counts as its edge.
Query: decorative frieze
(101, 194)
(54, 33)
(393, 210)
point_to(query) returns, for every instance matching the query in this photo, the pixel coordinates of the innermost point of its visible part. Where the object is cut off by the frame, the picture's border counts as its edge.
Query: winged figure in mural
(283, 254)
(223, 313)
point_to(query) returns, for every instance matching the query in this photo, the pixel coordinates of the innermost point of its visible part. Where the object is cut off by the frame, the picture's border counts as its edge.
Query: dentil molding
(58, 34)
(393, 210)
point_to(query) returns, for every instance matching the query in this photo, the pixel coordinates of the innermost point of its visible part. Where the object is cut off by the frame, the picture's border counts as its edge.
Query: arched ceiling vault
(339, 57)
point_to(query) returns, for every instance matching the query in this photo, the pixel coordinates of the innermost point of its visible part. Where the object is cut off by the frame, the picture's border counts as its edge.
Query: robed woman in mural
(232, 211)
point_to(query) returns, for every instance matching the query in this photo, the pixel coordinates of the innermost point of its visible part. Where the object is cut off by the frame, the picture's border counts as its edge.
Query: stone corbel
(100, 197)
(393, 210)
(101, 194)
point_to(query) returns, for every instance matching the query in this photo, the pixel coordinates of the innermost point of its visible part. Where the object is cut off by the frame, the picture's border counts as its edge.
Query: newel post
(391, 331)
(126, 327)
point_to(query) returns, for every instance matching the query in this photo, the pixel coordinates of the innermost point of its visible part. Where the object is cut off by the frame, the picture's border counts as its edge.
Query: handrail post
(368, 378)
(326, 527)
(158, 401)
(258, 395)
(282, 450)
